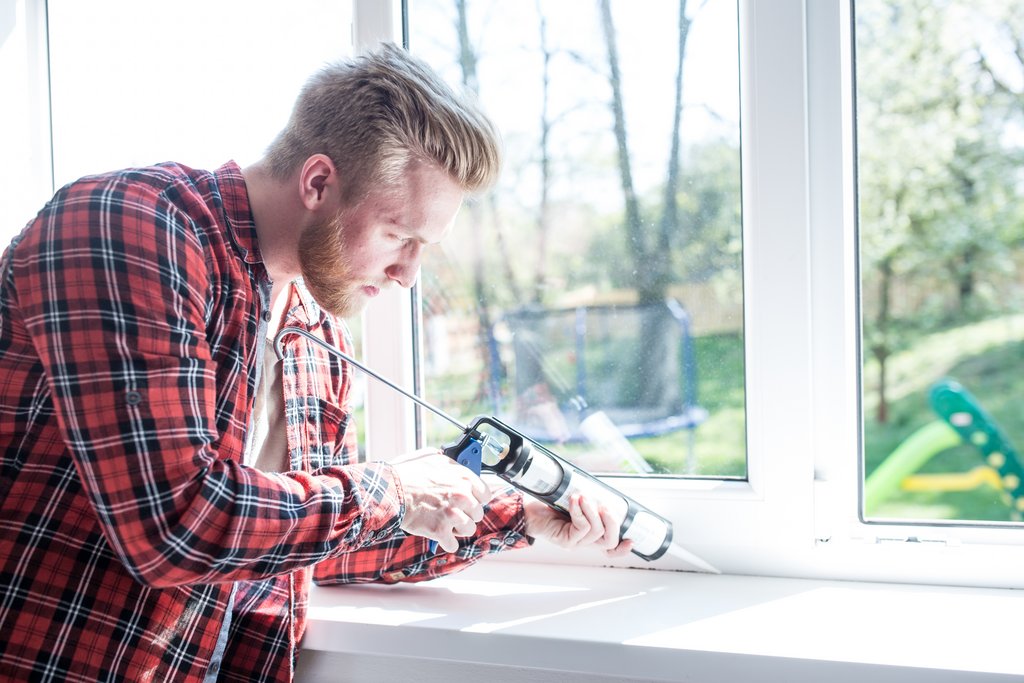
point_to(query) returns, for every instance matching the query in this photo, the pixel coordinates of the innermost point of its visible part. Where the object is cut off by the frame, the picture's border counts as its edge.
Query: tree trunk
(543, 227)
(882, 413)
(508, 262)
(880, 349)
(670, 226)
(634, 228)
(652, 260)
(467, 60)
(966, 277)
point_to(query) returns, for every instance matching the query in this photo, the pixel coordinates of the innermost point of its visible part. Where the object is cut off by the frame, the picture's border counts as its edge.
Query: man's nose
(406, 270)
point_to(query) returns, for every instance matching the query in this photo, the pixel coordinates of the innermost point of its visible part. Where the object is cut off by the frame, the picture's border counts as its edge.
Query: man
(168, 487)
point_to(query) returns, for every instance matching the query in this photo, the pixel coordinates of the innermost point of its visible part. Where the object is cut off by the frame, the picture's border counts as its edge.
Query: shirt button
(266, 316)
(133, 398)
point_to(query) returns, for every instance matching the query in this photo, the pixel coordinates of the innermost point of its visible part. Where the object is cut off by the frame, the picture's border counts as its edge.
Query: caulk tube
(531, 468)
(600, 431)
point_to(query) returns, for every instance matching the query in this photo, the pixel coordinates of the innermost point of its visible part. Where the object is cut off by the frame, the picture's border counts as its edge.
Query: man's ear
(317, 176)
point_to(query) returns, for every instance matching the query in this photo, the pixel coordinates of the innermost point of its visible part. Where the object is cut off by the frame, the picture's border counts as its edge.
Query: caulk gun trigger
(468, 452)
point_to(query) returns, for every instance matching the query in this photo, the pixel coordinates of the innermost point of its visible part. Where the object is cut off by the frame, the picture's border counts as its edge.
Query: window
(781, 492)
(795, 509)
(506, 331)
(849, 543)
(941, 224)
(593, 299)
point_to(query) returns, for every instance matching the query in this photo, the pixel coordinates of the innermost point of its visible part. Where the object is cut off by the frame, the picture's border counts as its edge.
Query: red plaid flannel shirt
(131, 326)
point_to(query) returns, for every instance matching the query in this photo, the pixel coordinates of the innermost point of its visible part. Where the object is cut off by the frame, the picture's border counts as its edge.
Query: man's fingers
(459, 524)
(448, 542)
(466, 505)
(478, 488)
(481, 491)
(464, 524)
(443, 499)
(592, 515)
(620, 550)
(610, 539)
(580, 525)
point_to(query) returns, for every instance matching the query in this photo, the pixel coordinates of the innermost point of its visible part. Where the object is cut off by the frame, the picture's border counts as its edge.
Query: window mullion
(387, 324)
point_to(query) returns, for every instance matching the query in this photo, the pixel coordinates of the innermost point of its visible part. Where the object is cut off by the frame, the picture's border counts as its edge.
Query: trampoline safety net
(635, 364)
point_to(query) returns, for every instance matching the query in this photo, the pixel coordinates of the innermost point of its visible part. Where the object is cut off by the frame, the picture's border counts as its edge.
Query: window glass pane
(940, 134)
(593, 300)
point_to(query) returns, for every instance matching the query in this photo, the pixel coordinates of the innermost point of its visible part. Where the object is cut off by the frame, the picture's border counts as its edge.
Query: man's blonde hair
(375, 114)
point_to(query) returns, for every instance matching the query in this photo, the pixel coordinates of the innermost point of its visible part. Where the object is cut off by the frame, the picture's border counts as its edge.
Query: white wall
(25, 173)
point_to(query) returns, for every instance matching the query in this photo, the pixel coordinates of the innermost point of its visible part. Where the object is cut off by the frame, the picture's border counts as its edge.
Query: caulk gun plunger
(279, 349)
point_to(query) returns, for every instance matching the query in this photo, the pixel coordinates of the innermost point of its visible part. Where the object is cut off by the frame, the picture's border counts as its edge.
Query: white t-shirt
(270, 438)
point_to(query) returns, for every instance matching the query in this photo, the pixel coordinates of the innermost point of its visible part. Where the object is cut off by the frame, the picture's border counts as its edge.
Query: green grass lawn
(720, 444)
(717, 447)
(984, 357)
(991, 372)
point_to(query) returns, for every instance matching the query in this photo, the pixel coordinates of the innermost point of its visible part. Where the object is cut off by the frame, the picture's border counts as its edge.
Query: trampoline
(633, 363)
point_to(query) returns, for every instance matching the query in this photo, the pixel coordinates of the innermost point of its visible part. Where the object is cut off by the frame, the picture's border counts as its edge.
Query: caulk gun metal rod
(279, 349)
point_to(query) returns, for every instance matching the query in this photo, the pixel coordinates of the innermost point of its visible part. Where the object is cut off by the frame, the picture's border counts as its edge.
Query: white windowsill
(514, 621)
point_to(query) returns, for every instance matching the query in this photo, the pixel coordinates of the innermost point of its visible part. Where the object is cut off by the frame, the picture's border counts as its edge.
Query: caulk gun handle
(468, 452)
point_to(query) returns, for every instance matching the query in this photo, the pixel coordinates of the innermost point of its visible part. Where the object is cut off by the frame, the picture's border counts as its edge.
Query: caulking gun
(490, 445)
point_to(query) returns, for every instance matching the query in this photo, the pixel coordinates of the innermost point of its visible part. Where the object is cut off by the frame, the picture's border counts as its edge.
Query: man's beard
(326, 269)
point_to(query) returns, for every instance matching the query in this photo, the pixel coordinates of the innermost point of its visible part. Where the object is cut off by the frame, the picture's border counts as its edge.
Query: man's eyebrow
(413, 233)
(409, 233)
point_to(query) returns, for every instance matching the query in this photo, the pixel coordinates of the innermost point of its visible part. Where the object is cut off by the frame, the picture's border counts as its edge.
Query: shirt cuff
(377, 500)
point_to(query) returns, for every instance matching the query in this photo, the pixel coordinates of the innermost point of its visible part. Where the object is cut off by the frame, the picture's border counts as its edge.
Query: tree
(670, 227)
(481, 297)
(635, 234)
(651, 253)
(935, 176)
(544, 161)
(905, 118)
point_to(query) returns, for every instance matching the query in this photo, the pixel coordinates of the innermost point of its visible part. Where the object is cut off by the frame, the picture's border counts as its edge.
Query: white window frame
(797, 513)
(388, 324)
(979, 554)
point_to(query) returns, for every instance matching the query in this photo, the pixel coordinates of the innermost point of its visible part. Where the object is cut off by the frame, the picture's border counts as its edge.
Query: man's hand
(443, 499)
(586, 525)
